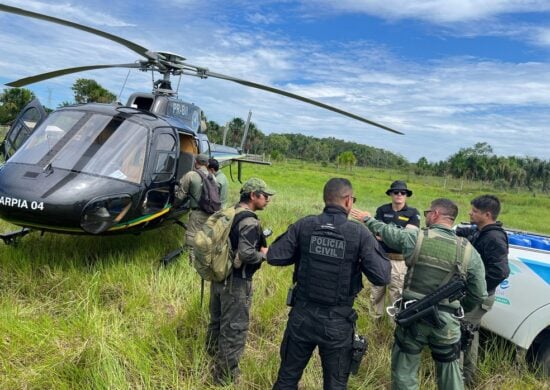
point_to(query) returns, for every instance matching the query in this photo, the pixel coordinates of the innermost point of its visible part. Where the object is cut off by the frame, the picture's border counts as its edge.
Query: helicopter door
(162, 172)
(30, 117)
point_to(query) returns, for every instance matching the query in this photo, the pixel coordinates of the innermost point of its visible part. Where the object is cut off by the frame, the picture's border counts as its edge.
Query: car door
(28, 120)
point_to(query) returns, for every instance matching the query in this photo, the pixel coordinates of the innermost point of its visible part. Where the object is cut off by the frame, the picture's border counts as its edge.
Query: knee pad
(445, 353)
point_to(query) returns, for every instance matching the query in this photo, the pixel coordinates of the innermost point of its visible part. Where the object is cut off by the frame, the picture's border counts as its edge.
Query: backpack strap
(239, 216)
(202, 176)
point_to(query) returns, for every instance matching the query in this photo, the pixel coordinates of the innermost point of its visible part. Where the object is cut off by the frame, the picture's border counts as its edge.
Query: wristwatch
(366, 219)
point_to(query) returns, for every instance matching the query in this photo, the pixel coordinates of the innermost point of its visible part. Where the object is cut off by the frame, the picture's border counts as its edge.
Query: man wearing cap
(230, 299)
(330, 254)
(190, 188)
(434, 256)
(214, 168)
(399, 214)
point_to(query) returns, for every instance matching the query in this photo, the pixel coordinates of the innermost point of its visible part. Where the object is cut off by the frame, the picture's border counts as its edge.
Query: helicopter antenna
(178, 87)
(123, 85)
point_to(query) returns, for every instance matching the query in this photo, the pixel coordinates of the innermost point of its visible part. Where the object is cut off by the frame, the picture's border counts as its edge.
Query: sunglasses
(266, 196)
(426, 212)
(353, 198)
(399, 193)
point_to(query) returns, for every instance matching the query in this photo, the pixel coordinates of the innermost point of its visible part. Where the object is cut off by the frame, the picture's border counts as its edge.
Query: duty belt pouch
(467, 332)
(358, 350)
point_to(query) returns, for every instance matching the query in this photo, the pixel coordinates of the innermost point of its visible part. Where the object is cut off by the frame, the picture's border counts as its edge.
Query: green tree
(278, 144)
(422, 166)
(347, 159)
(88, 91)
(12, 101)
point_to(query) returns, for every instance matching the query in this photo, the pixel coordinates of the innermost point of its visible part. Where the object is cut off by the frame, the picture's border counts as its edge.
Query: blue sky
(447, 73)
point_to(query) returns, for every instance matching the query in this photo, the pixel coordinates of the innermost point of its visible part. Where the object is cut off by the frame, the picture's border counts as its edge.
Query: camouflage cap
(256, 185)
(202, 159)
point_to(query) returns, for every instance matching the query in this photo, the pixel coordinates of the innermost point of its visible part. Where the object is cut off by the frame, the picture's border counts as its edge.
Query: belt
(396, 256)
(336, 311)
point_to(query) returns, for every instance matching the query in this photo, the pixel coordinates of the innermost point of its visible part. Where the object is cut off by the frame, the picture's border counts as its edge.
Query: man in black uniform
(491, 241)
(399, 214)
(329, 254)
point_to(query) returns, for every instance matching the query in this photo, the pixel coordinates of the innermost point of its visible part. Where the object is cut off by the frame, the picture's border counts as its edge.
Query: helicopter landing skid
(12, 237)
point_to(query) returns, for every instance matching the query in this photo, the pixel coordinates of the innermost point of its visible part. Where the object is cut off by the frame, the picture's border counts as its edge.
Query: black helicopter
(105, 169)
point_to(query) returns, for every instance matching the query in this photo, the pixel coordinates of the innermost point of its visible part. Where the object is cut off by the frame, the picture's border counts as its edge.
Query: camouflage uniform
(230, 300)
(190, 186)
(438, 248)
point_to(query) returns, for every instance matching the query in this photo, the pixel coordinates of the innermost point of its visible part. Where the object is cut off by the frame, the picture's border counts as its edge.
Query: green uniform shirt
(405, 241)
(191, 186)
(224, 187)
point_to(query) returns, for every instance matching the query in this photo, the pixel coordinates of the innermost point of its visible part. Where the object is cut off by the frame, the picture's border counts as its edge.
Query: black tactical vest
(328, 272)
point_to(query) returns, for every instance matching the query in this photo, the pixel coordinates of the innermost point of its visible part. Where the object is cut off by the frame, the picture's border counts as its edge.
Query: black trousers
(310, 326)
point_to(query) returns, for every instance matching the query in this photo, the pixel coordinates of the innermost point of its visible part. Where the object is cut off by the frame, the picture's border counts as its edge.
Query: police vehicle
(521, 313)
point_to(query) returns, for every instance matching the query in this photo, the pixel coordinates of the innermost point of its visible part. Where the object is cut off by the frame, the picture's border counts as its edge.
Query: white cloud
(66, 10)
(441, 105)
(438, 11)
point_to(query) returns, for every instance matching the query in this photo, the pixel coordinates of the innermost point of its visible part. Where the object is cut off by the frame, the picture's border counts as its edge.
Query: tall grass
(99, 312)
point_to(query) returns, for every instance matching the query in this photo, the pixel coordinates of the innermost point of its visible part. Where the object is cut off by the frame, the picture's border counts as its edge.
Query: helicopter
(105, 169)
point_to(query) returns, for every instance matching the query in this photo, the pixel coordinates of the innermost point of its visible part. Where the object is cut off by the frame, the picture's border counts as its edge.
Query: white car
(521, 312)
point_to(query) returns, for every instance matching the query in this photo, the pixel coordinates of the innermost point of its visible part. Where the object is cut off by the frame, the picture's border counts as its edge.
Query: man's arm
(465, 231)
(403, 240)
(374, 264)
(285, 250)
(495, 258)
(182, 189)
(476, 288)
(249, 237)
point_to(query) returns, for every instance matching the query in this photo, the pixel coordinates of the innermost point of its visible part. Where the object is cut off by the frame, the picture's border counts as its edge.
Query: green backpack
(212, 249)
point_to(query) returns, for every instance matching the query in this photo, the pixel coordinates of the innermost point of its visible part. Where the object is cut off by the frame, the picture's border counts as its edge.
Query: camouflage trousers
(406, 354)
(228, 327)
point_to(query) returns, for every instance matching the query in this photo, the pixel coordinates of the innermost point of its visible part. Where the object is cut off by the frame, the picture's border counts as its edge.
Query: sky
(446, 73)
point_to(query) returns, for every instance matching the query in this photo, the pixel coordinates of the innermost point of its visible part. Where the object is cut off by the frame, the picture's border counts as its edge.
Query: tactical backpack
(209, 201)
(213, 250)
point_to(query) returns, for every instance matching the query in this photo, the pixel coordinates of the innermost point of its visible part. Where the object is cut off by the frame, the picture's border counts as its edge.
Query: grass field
(99, 312)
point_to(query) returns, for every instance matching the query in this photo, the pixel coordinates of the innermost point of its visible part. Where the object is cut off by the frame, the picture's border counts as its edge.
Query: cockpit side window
(165, 147)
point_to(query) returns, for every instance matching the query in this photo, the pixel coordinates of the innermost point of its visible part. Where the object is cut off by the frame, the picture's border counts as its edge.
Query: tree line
(480, 163)
(473, 163)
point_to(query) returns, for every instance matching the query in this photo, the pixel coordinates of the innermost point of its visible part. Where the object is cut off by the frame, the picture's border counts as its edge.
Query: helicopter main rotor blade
(130, 45)
(294, 96)
(61, 72)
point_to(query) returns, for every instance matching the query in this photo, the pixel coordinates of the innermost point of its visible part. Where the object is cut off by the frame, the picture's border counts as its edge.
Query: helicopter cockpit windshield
(86, 142)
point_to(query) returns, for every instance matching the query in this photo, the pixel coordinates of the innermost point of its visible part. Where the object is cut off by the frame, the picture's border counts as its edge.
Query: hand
(263, 250)
(359, 214)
